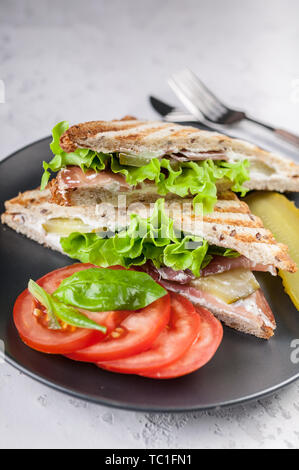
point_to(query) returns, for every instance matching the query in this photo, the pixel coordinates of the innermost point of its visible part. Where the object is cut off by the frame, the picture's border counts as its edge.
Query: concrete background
(100, 60)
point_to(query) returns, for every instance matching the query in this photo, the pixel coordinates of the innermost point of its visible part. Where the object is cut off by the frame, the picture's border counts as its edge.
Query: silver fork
(200, 101)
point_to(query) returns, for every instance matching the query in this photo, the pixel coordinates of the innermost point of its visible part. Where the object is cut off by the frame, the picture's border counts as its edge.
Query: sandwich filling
(215, 277)
(156, 242)
(211, 265)
(183, 174)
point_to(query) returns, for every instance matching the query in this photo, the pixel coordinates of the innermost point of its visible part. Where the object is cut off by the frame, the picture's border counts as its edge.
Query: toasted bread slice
(230, 225)
(267, 170)
(28, 213)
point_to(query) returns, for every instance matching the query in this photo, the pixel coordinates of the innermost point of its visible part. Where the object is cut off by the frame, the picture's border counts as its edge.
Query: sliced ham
(184, 156)
(169, 274)
(250, 315)
(73, 177)
(220, 264)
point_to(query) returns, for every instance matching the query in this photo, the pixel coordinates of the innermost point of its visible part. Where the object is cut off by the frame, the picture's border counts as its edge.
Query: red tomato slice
(170, 345)
(51, 281)
(137, 332)
(201, 351)
(41, 338)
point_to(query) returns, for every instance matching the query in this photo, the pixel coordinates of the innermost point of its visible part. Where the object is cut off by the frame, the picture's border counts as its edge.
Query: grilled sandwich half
(235, 240)
(97, 160)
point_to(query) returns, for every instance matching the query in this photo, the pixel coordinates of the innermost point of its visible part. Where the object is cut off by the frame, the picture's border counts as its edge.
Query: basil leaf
(99, 289)
(46, 300)
(65, 313)
(73, 317)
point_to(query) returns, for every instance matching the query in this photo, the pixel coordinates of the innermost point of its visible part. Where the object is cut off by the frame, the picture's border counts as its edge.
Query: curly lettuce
(181, 178)
(154, 238)
(84, 158)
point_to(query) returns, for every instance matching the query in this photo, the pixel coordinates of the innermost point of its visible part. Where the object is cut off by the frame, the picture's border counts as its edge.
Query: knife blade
(161, 107)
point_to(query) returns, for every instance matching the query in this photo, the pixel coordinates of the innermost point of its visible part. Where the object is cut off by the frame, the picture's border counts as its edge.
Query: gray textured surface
(100, 59)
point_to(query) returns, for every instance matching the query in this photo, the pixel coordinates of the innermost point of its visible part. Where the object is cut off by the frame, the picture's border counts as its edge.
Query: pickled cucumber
(281, 216)
(229, 286)
(137, 160)
(65, 226)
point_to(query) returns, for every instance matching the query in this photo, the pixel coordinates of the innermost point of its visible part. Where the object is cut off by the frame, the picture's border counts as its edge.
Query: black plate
(243, 368)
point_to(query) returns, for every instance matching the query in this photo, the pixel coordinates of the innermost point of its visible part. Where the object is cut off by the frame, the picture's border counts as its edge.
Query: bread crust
(78, 132)
(132, 134)
(251, 324)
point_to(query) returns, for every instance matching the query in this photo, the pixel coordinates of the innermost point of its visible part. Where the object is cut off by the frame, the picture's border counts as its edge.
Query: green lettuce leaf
(84, 158)
(152, 239)
(135, 175)
(200, 178)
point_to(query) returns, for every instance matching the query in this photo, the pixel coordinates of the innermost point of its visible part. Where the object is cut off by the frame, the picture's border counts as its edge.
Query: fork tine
(212, 107)
(189, 88)
(201, 90)
(184, 96)
(193, 99)
(204, 90)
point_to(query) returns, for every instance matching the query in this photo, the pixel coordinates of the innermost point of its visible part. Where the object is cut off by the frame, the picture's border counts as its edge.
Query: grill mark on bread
(183, 132)
(77, 134)
(141, 134)
(90, 129)
(231, 221)
(25, 202)
(252, 238)
(241, 209)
